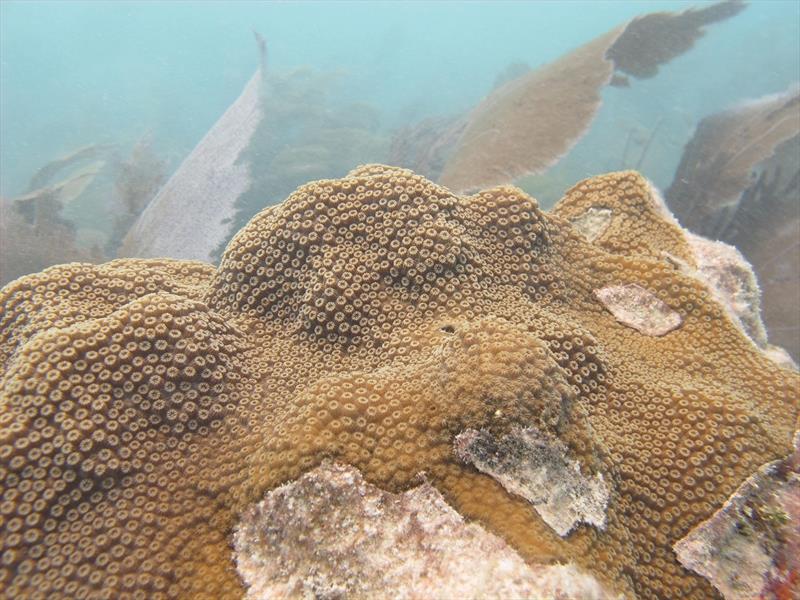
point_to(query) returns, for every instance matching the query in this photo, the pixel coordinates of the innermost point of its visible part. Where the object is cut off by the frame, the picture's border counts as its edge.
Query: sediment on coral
(593, 223)
(728, 273)
(634, 306)
(539, 468)
(370, 320)
(719, 266)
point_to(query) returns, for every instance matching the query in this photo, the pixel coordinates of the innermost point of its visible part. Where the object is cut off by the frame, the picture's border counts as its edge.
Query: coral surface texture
(147, 404)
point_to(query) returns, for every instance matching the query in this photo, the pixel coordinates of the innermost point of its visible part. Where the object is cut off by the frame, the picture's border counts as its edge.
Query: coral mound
(370, 320)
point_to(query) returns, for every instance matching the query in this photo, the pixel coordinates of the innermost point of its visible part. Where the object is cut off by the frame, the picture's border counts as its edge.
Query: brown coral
(370, 320)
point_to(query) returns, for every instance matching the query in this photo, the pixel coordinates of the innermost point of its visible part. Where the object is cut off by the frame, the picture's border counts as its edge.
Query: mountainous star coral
(370, 320)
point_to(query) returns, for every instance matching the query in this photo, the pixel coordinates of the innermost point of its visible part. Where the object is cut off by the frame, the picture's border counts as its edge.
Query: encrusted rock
(634, 306)
(750, 548)
(330, 534)
(731, 278)
(539, 469)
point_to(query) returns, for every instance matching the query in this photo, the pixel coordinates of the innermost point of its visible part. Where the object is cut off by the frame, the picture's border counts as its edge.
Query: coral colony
(375, 321)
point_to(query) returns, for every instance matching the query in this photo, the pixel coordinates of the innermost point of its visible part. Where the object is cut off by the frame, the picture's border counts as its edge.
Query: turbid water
(276, 300)
(76, 73)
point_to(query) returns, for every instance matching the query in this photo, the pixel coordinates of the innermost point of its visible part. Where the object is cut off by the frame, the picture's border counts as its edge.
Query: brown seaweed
(766, 228)
(81, 217)
(657, 38)
(739, 181)
(45, 174)
(282, 131)
(426, 146)
(137, 181)
(308, 135)
(529, 123)
(34, 235)
(526, 125)
(717, 162)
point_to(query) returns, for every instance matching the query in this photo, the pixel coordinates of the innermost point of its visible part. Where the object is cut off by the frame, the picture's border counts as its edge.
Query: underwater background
(382, 299)
(102, 102)
(75, 73)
